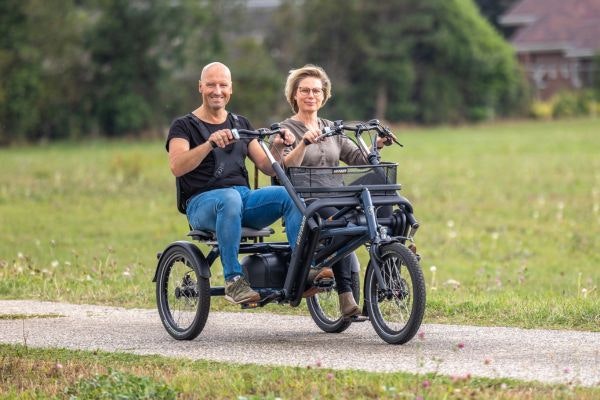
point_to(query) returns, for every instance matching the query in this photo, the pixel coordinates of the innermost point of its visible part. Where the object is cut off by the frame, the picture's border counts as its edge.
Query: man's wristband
(213, 144)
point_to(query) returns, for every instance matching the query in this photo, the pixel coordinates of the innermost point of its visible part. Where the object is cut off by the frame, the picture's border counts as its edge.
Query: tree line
(77, 68)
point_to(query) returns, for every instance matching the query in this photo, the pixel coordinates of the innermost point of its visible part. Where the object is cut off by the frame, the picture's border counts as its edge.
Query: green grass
(27, 373)
(509, 213)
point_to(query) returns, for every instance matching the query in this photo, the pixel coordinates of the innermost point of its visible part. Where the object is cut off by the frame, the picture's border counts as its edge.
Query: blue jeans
(225, 211)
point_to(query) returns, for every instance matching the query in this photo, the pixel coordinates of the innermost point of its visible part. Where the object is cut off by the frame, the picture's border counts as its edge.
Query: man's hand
(221, 138)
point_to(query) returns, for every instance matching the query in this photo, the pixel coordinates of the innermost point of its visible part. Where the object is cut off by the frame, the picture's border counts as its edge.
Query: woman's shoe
(348, 306)
(315, 275)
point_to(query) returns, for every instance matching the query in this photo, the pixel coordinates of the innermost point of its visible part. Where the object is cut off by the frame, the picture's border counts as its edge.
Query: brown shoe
(315, 275)
(348, 306)
(238, 291)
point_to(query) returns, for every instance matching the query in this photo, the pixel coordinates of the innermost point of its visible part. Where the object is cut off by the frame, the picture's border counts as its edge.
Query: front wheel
(396, 313)
(324, 307)
(182, 295)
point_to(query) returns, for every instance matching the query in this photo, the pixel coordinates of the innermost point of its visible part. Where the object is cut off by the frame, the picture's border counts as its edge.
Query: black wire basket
(344, 181)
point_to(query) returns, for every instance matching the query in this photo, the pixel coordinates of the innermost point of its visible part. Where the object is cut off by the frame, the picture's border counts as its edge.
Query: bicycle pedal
(324, 283)
(359, 318)
(246, 306)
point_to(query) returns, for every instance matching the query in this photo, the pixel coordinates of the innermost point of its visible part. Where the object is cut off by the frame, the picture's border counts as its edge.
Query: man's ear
(200, 86)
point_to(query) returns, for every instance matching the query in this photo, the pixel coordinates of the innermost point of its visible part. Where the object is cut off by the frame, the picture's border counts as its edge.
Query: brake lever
(385, 132)
(328, 131)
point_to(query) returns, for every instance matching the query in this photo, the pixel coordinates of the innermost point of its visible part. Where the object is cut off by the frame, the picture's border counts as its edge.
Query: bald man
(210, 166)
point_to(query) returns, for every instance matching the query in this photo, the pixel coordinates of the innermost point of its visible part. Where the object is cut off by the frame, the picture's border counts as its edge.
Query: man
(210, 166)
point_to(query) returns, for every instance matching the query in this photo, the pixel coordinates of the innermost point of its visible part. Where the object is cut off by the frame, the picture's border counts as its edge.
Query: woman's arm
(260, 159)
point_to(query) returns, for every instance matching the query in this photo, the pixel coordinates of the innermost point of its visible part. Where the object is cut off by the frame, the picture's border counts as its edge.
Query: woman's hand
(285, 137)
(311, 136)
(384, 141)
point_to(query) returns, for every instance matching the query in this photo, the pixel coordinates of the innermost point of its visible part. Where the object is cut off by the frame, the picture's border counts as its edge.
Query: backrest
(181, 202)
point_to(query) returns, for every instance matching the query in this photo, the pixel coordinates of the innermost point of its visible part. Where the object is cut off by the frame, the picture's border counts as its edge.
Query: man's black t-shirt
(196, 181)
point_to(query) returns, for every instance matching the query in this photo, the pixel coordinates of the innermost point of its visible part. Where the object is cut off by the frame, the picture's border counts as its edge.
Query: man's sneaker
(315, 275)
(238, 290)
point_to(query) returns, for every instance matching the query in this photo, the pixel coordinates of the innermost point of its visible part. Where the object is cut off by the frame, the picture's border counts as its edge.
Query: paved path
(542, 355)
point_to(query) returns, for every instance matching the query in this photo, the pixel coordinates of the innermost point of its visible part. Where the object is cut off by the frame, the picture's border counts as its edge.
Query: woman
(307, 89)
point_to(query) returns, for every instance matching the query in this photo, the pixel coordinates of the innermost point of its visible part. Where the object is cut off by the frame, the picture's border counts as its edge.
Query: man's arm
(183, 160)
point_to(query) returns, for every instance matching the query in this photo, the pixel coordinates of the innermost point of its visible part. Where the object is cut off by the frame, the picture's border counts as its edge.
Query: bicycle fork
(375, 235)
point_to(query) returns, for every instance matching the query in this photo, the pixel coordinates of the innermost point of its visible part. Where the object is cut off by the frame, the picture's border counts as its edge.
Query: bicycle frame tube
(283, 179)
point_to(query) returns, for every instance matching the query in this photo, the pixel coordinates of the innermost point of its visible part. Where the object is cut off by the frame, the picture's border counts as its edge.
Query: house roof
(572, 26)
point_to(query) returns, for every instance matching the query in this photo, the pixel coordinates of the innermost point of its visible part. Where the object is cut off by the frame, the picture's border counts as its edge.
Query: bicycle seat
(247, 233)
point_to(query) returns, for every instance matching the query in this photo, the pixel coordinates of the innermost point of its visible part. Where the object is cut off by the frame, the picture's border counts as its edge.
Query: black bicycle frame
(313, 229)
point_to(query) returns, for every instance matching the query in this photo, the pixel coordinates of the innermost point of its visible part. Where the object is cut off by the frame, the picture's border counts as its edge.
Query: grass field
(510, 219)
(509, 213)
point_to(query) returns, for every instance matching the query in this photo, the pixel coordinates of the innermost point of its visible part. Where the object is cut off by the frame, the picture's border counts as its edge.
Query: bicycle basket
(344, 181)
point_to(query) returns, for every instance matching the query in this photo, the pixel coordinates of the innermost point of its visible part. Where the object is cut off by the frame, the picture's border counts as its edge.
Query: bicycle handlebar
(358, 127)
(338, 128)
(259, 133)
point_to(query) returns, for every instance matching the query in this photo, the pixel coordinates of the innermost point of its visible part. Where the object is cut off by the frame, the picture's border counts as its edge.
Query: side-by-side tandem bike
(369, 212)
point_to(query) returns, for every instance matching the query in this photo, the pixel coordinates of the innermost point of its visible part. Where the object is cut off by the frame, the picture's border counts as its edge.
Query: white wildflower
(452, 283)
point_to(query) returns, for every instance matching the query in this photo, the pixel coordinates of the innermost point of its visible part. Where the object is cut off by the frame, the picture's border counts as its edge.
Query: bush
(572, 104)
(541, 109)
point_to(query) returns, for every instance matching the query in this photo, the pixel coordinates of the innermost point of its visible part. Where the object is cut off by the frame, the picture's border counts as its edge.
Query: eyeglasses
(304, 91)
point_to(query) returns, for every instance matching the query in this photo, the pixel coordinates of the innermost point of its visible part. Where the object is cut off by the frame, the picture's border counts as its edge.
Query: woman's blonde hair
(308, 71)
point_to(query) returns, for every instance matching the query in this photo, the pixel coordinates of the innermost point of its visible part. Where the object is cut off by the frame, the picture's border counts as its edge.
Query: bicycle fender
(197, 258)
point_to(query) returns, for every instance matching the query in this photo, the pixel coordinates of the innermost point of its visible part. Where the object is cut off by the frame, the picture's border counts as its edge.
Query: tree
(127, 45)
(43, 68)
(426, 61)
(20, 68)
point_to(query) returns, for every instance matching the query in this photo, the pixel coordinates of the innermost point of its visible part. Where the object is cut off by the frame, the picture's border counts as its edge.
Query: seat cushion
(247, 233)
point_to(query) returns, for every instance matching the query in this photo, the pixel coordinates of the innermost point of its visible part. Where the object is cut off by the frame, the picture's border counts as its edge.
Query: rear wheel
(182, 295)
(324, 307)
(396, 313)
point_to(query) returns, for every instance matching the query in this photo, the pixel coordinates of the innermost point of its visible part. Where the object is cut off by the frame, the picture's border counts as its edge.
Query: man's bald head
(216, 66)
